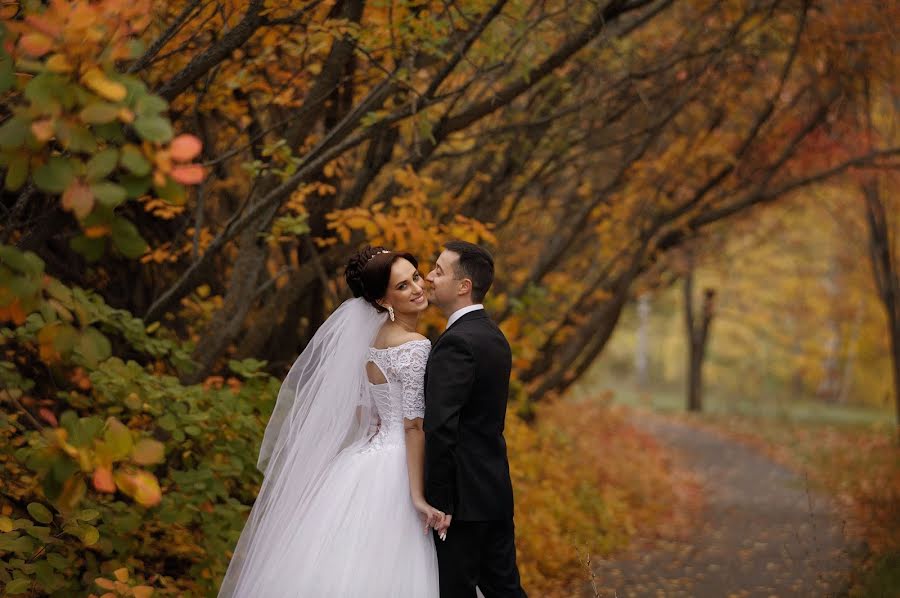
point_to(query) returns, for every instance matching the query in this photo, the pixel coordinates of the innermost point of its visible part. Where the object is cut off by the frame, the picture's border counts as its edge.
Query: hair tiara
(377, 253)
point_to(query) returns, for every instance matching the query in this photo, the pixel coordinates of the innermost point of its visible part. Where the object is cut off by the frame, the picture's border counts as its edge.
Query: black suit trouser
(479, 553)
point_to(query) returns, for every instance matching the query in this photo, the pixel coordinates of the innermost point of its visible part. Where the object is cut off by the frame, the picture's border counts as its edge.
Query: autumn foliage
(183, 181)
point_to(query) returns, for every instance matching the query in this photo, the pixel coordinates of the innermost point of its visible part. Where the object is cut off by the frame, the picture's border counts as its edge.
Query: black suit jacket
(466, 391)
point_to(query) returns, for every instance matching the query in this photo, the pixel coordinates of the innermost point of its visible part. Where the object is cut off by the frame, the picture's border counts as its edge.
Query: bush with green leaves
(112, 461)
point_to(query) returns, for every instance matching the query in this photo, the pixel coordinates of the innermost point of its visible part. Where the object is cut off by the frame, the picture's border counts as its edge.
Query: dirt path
(763, 531)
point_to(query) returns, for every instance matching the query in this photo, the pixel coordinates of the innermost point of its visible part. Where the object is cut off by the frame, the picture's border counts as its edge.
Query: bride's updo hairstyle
(369, 272)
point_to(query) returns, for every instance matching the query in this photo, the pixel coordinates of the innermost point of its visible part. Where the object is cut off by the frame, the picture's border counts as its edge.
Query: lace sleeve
(412, 376)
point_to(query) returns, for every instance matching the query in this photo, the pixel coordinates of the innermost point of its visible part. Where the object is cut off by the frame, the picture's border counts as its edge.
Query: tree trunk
(884, 270)
(697, 334)
(641, 357)
(829, 386)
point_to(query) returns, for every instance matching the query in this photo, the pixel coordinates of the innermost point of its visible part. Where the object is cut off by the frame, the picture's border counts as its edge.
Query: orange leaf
(106, 584)
(44, 25)
(97, 231)
(185, 148)
(188, 174)
(13, 313)
(121, 574)
(42, 129)
(79, 199)
(103, 480)
(35, 44)
(142, 591)
(48, 417)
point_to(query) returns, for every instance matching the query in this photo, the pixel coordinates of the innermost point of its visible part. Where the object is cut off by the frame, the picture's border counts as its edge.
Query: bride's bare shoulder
(394, 336)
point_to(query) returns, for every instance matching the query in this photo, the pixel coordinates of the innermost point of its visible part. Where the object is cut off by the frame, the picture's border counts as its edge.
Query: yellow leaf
(58, 63)
(103, 86)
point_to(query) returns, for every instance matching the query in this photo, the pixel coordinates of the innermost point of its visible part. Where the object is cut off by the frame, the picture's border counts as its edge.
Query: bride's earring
(391, 312)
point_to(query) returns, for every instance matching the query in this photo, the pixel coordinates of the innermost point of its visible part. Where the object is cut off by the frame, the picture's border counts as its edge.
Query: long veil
(323, 407)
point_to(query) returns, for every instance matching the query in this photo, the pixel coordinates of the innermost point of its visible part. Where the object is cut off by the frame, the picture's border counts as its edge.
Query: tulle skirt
(361, 536)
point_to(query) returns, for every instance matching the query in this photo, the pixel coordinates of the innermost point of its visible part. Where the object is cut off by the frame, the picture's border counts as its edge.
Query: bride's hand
(431, 516)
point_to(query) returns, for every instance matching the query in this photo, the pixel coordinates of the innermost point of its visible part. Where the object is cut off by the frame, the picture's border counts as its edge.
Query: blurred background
(693, 209)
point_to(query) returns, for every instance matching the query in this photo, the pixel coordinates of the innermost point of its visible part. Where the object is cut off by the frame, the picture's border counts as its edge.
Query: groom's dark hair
(476, 264)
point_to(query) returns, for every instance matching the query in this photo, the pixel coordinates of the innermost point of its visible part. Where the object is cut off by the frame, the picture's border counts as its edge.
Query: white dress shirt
(461, 312)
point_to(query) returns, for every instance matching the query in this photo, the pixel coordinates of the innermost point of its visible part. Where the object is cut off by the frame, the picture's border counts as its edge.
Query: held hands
(443, 526)
(433, 518)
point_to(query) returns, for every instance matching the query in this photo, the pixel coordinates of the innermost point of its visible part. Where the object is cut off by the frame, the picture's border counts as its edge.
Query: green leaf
(55, 175)
(99, 113)
(153, 128)
(91, 249)
(109, 194)
(136, 88)
(101, 164)
(148, 452)
(167, 422)
(16, 172)
(150, 105)
(25, 262)
(127, 239)
(87, 515)
(7, 74)
(111, 132)
(94, 347)
(43, 90)
(82, 431)
(39, 532)
(136, 48)
(89, 535)
(76, 138)
(133, 159)
(13, 132)
(135, 186)
(18, 586)
(58, 562)
(117, 438)
(172, 192)
(39, 512)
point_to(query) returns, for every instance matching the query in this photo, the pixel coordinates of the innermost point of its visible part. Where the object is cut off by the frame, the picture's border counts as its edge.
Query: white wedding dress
(358, 534)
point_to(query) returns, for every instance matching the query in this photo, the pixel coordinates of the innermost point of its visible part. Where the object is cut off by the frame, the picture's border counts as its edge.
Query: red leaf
(185, 148)
(188, 174)
(103, 480)
(48, 417)
(35, 44)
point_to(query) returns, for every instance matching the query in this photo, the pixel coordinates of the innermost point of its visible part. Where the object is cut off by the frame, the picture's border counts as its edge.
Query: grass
(795, 410)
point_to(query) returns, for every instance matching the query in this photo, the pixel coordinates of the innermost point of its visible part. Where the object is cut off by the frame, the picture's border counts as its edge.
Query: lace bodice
(403, 395)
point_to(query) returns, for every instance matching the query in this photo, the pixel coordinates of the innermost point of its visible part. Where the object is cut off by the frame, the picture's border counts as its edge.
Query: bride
(341, 511)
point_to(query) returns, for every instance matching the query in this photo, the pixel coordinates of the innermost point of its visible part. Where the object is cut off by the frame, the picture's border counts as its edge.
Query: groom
(466, 471)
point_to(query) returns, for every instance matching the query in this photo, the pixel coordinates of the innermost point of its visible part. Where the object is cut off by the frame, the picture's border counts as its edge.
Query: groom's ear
(465, 287)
